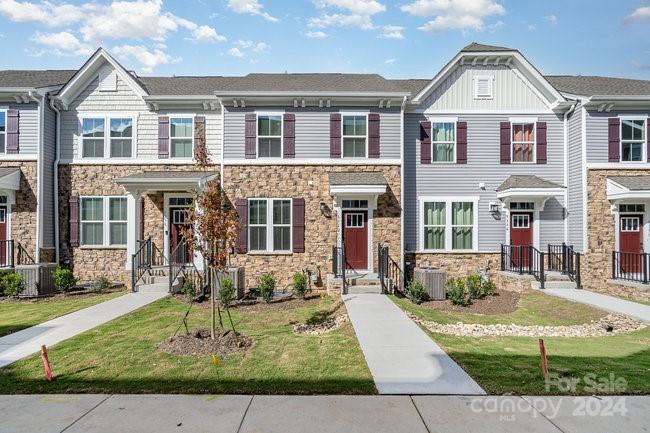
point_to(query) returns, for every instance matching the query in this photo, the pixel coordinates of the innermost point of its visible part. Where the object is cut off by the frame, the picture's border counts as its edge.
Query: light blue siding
(597, 134)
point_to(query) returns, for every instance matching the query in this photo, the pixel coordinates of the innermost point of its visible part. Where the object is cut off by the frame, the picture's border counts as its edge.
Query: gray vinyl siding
(483, 165)
(48, 157)
(597, 134)
(312, 129)
(27, 126)
(575, 197)
(91, 101)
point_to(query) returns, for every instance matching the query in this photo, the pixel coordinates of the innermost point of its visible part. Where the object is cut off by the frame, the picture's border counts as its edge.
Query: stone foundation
(23, 212)
(456, 264)
(312, 184)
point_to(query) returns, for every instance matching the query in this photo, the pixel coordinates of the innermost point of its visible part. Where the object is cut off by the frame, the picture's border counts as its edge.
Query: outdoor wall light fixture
(325, 210)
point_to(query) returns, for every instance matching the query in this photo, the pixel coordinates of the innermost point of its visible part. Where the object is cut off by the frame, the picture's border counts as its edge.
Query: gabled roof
(595, 85)
(475, 46)
(526, 182)
(633, 183)
(34, 79)
(357, 178)
(412, 85)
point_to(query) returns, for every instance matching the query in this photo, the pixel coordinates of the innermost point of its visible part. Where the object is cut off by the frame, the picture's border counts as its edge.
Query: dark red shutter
(73, 209)
(614, 133)
(541, 143)
(289, 132)
(199, 132)
(505, 142)
(298, 223)
(251, 135)
(461, 143)
(12, 131)
(373, 135)
(241, 244)
(163, 137)
(425, 142)
(335, 135)
(142, 217)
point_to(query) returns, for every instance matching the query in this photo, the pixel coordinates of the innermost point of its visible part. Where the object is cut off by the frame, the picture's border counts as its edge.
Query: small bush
(488, 288)
(267, 286)
(12, 284)
(415, 292)
(457, 291)
(188, 289)
(227, 293)
(100, 285)
(64, 280)
(299, 284)
(473, 284)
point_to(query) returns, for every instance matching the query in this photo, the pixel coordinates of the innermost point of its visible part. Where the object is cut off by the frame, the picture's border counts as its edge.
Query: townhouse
(459, 171)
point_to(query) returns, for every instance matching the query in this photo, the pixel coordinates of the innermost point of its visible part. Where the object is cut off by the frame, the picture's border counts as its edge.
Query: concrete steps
(153, 288)
(554, 284)
(364, 289)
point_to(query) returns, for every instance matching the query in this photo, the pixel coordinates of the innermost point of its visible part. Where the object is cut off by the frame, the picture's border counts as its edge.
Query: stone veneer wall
(312, 184)
(84, 180)
(597, 260)
(23, 212)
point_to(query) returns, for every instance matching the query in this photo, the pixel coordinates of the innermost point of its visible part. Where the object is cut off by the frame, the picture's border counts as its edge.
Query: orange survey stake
(46, 363)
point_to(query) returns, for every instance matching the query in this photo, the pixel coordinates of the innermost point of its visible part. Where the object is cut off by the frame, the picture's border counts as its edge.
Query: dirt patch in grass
(58, 297)
(199, 343)
(252, 305)
(502, 302)
(323, 321)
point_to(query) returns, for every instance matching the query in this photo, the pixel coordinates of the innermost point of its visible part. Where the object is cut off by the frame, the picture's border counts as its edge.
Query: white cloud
(261, 47)
(252, 7)
(552, 19)
(63, 43)
(531, 28)
(640, 14)
(359, 7)
(206, 34)
(147, 59)
(357, 13)
(454, 14)
(389, 61)
(49, 14)
(243, 48)
(392, 32)
(316, 35)
(342, 20)
(236, 52)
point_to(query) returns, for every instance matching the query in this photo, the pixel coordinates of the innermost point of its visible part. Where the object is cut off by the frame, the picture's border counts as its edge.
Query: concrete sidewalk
(604, 302)
(323, 414)
(23, 343)
(401, 357)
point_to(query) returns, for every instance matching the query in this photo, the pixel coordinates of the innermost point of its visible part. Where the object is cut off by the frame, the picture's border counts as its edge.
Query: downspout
(223, 141)
(38, 98)
(401, 193)
(566, 169)
(57, 144)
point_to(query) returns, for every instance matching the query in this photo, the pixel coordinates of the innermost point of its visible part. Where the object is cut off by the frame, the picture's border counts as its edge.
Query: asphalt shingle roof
(594, 85)
(633, 183)
(357, 178)
(526, 181)
(34, 79)
(5, 171)
(475, 46)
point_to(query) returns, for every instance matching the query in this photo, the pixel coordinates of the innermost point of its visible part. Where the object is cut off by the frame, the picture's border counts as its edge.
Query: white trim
(487, 111)
(433, 120)
(345, 113)
(131, 161)
(198, 260)
(269, 225)
(257, 135)
(314, 161)
(616, 191)
(617, 165)
(181, 116)
(370, 209)
(107, 117)
(3, 110)
(448, 200)
(18, 157)
(401, 198)
(644, 142)
(522, 121)
(490, 80)
(106, 222)
(357, 189)
(538, 196)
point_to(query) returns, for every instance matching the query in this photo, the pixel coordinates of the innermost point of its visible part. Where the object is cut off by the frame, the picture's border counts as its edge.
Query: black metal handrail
(524, 260)
(140, 261)
(7, 253)
(573, 265)
(390, 273)
(22, 256)
(338, 265)
(631, 267)
(565, 259)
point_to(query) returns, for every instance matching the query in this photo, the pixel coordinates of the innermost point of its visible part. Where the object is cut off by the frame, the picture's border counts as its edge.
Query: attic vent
(483, 87)
(107, 80)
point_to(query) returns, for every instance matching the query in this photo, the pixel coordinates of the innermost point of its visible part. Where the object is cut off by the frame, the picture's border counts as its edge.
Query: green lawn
(20, 314)
(512, 364)
(120, 357)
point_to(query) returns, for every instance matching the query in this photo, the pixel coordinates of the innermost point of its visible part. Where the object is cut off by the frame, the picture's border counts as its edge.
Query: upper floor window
(443, 142)
(96, 143)
(103, 221)
(269, 224)
(3, 131)
(523, 142)
(355, 136)
(181, 139)
(121, 137)
(93, 138)
(633, 139)
(269, 136)
(483, 87)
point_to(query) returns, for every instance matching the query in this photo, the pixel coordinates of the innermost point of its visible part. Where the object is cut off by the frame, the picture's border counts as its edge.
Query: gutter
(39, 99)
(57, 143)
(299, 94)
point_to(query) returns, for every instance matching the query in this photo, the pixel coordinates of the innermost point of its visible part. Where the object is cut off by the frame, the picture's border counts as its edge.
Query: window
(269, 136)
(355, 204)
(121, 137)
(631, 208)
(354, 136)
(483, 87)
(632, 139)
(93, 138)
(181, 137)
(521, 221)
(523, 142)
(103, 221)
(443, 141)
(448, 224)
(354, 220)
(630, 224)
(269, 224)
(180, 201)
(3, 131)
(97, 143)
(519, 205)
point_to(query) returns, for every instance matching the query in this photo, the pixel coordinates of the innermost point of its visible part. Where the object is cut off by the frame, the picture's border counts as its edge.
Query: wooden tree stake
(542, 353)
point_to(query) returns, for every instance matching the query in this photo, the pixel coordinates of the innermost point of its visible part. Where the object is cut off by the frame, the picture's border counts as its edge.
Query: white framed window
(633, 139)
(354, 135)
(269, 224)
(103, 221)
(631, 208)
(483, 87)
(520, 221)
(443, 142)
(355, 220)
(269, 135)
(181, 136)
(3, 131)
(107, 136)
(630, 224)
(523, 141)
(448, 223)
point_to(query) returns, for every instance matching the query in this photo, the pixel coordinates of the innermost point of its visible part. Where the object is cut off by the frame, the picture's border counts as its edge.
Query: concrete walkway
(323, 414)
(604, 302)
(401, 357)
(23, 343)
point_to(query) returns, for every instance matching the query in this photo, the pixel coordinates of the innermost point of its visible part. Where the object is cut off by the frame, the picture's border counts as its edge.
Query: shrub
(299, 284)
(100, 285)
(12, 284)
(488, 288)
(415, 292)
(473, 284)
(457, 291)
(227, 292)
(64, 279)
(188, 289)
(267, 286)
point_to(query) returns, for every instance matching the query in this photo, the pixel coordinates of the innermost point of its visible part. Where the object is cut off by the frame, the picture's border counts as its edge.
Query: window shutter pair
(425, 142)
(297, 222)
(163, 134)
(373, 135)
(288, 135)
(12, 131)
(614, 139)
(506, 142)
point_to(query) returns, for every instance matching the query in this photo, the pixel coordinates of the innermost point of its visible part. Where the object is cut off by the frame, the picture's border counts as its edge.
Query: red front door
(177, 218)
(3, 237)
(630, 238)
(355, 238)
(521, 235)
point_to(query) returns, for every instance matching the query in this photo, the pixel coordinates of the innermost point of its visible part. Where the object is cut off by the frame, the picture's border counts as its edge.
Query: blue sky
(398, 39)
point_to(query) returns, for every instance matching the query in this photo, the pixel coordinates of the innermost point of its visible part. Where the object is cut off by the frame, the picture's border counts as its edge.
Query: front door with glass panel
(355, 239)
(630, 238)
(4, 250)
(178, 249)
(521, 237)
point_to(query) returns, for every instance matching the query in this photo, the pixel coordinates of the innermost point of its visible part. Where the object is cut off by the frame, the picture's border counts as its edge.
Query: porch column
(132, 224)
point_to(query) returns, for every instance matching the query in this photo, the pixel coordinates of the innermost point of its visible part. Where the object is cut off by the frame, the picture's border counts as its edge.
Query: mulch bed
(79, 294)
(252, 305)
(199, 343)
(502, 302)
